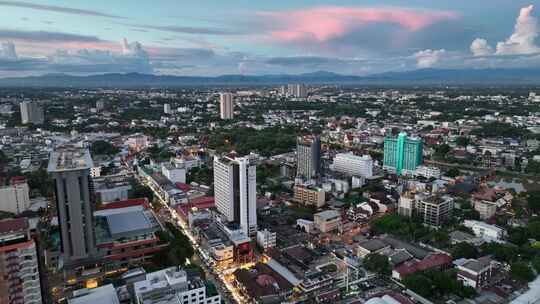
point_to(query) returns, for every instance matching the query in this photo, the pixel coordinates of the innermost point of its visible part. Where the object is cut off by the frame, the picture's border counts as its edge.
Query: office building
(32, 113)
(402, 154)
(354, 165)
(226, 106)
(167, 109)
(19, 273)
(308, 157)
(297, 90)
(173, 286)
(100, 105)
(15, 198)
(235, 191)
(70, 167)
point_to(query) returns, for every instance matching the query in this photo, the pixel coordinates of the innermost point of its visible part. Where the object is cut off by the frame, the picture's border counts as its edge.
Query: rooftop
(104, 294)
(67, 158)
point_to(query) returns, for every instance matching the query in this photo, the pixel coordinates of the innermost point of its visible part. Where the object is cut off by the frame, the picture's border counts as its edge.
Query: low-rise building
(173, 286)
(15, 198)
(103, 294)
(327, 221)
(475, 273)
(311, 196)
(485, 231)
(266, 239)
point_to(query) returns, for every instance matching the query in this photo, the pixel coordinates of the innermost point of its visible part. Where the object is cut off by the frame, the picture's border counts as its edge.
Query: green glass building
(402, 154)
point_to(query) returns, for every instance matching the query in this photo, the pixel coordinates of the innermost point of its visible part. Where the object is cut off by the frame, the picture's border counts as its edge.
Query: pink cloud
(321, 24)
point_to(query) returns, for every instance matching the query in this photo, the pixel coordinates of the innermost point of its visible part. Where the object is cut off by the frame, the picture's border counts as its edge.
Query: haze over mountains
(416, 77)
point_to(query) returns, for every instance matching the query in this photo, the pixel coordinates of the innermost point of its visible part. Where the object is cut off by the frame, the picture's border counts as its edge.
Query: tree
(464, 250)
(533, 201)
(377, 263)
(3, 157)
(536, 263)
(518, 236)
(520, 271)
(453, 172)
(533, 228)
(140, 191)
(420, 284)
(101, 147)
(462, 141)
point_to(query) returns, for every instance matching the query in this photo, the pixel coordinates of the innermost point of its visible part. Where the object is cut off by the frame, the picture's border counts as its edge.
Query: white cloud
(133, 49)
(480, 47)
(523, 39)
(428, 58)
(7, 51)
(521, 42)
(132, 59)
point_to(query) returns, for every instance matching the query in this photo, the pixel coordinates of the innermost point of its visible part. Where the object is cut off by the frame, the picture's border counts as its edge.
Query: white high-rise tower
(226, 106)
(235, 191)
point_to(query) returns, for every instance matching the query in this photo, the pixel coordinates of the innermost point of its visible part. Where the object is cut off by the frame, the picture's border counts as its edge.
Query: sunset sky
(264, 37)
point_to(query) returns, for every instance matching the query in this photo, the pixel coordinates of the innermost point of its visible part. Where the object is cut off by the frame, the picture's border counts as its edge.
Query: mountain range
(422, 77)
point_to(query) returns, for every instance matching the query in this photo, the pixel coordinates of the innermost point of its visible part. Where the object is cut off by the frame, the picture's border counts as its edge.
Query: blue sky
(264, 37)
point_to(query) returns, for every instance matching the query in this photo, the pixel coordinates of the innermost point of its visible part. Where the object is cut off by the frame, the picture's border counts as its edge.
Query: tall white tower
(226, 106)
(235, 191)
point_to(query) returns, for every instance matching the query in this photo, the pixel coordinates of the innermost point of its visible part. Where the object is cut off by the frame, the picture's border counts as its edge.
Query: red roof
(15, 180)
(202, 202)
(10, 225)
(126, 203)
(183, 187)
(432, 261)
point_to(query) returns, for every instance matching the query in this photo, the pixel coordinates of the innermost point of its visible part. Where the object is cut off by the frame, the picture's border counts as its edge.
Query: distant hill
(415, 77)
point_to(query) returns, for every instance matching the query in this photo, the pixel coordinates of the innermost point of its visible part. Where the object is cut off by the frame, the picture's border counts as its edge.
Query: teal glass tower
(402, 154)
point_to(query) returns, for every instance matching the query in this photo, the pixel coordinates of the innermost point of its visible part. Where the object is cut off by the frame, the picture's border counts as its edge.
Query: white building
(297, 90)
(103, 294)
(174, 174)
(427, 172)
(15, 198)
(226, 106)
(167, 109)
(485, 231)
(172, 286)
(266, 239)
(137, 142)
(235, 191)
(31, 112)
(351, 164)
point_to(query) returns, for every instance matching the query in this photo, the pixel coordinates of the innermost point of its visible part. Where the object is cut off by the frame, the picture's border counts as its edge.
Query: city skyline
(213, 38)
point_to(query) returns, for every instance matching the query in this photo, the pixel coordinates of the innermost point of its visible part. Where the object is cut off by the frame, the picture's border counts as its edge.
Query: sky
(217, 37)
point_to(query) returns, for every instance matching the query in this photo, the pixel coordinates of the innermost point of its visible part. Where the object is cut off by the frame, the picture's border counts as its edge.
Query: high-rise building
(32, 112)
(308, 157)
(226, 106)
(402, 154)
(297, 90)
(70, 167)
(19, 273)
(351, 164)
(167, 109)
(100, 105)
(235, 191)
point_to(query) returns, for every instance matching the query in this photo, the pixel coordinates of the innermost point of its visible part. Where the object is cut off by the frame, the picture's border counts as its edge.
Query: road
(227, 291)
